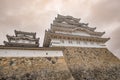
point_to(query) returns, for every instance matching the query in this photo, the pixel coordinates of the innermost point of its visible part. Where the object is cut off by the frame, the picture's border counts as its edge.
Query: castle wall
(78, 63)
(34, 68)
(33, 64)
(30, 53)
(92, 63)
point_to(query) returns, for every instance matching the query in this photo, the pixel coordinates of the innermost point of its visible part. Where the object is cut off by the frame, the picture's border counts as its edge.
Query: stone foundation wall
(77, 64)
(92, 63)
(49, 68)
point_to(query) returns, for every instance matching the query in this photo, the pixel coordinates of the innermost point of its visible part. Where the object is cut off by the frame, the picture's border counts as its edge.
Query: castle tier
(22, 39)
(68, 31)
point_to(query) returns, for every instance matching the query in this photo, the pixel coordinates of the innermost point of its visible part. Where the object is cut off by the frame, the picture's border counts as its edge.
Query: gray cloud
(115, 40)
(106, 11)
(105, 14)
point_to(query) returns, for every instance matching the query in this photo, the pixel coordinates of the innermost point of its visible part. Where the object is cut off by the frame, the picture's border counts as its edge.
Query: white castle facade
(66, 31)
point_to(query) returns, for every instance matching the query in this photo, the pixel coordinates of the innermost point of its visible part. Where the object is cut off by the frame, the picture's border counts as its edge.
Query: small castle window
(98, 43)
(16, 41)
(46, 53)
(23, 41)
(70, 41)
(92, 42)
(78, 42)
(62, 41)
(85, 42)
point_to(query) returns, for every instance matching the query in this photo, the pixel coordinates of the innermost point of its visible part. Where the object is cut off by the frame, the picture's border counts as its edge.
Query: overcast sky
(37, 15)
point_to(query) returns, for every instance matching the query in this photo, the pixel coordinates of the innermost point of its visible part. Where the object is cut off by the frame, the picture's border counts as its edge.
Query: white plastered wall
(30, 53)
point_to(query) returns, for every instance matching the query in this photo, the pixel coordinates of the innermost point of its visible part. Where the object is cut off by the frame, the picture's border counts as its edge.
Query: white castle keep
(68, 31)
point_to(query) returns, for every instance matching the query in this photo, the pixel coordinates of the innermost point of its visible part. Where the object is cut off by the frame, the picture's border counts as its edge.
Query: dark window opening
(46, 53)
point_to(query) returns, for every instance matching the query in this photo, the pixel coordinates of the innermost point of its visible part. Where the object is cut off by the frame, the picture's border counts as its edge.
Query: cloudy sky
(37, 15)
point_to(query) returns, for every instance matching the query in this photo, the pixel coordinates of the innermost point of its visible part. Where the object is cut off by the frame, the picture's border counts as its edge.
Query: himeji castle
(71, 51)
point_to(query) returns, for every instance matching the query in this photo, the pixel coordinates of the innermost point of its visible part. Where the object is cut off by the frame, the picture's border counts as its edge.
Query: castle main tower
(69, 31)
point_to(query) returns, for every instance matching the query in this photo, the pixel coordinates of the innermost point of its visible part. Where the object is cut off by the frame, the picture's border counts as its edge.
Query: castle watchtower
(22, 39)
(69, 31)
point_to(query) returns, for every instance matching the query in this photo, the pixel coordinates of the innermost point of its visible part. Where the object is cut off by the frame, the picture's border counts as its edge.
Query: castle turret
(22, 39)
(69, 31)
